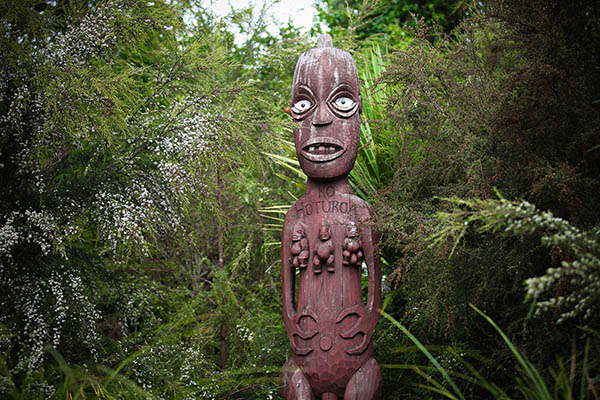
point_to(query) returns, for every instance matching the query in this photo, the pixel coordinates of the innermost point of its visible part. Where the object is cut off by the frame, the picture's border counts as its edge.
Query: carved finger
(361, 346)
(306, 335)
(357, 309)
(307, 312)
(301, 351)
(354, 330)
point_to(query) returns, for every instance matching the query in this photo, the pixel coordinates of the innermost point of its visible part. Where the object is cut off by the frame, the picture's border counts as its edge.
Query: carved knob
(325, 343)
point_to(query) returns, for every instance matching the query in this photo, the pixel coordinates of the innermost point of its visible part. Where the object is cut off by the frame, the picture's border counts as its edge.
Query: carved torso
(331, 326)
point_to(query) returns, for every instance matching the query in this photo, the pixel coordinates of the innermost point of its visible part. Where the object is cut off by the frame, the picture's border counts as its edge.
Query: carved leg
(294, 383)
(329, 396)
(365, 383)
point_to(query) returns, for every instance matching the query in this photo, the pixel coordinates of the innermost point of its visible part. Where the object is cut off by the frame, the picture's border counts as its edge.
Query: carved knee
(294, 384)
(365, 383)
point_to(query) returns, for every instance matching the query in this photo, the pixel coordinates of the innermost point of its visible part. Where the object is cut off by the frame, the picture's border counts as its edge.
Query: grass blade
(531, 373)
(426, 352)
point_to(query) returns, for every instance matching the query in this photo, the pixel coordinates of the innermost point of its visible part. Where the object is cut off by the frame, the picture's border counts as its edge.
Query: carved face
(326, 104)
(351, 230)
(298, 232)
(324, 233)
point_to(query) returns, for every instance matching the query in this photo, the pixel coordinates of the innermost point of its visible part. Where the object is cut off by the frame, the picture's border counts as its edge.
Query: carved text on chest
(325, 204)
(304, 209)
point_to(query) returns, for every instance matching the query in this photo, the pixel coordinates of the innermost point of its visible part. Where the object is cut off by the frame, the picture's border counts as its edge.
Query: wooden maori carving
(299, 249)
(328, 240)
(324, 255)
(352, 253)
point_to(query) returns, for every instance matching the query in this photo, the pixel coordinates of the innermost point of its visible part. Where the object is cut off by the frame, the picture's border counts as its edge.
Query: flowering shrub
(103, 145)
(54, 312)
(121, 139)
(579, 269)
(95, 35)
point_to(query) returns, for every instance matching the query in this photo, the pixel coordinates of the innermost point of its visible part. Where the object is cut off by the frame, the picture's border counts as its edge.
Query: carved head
(298, 231)
(326, 104)
(324, 230)
(351, 230)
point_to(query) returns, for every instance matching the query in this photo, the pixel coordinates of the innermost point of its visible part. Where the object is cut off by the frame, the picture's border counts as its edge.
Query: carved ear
(360, 104)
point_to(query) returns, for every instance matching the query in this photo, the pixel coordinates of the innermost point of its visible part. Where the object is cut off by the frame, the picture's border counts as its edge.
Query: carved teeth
(322, 149)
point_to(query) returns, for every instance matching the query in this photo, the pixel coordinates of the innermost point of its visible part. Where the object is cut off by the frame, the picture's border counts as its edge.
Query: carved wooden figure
(352, 254)
(324, 254)
(299, 249)
(329, 325)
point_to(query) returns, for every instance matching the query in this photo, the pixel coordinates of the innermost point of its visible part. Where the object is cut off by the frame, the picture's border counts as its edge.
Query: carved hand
(364, 325)
(305, 334)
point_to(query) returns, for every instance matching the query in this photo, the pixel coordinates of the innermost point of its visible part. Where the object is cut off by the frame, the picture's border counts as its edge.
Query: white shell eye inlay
(301, 106)
(344, 103)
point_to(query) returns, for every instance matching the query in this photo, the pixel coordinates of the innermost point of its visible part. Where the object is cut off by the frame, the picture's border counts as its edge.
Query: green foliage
(579, 265)
(437, 388)
(386, 21)
(114, 116)
(491, 107)
(529, 381)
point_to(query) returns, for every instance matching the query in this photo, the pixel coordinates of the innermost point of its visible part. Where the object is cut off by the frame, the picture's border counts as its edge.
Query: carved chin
(322, 149)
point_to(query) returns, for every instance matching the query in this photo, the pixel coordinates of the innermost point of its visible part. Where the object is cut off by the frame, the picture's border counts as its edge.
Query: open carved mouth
(322, 149)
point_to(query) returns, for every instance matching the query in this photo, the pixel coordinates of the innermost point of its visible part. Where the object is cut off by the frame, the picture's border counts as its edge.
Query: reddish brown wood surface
(327, 240)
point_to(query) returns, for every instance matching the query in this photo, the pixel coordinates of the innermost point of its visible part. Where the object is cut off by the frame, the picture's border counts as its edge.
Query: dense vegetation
(145, 163)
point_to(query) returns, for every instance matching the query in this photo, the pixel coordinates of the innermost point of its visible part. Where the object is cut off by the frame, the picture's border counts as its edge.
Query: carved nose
(322, 116)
